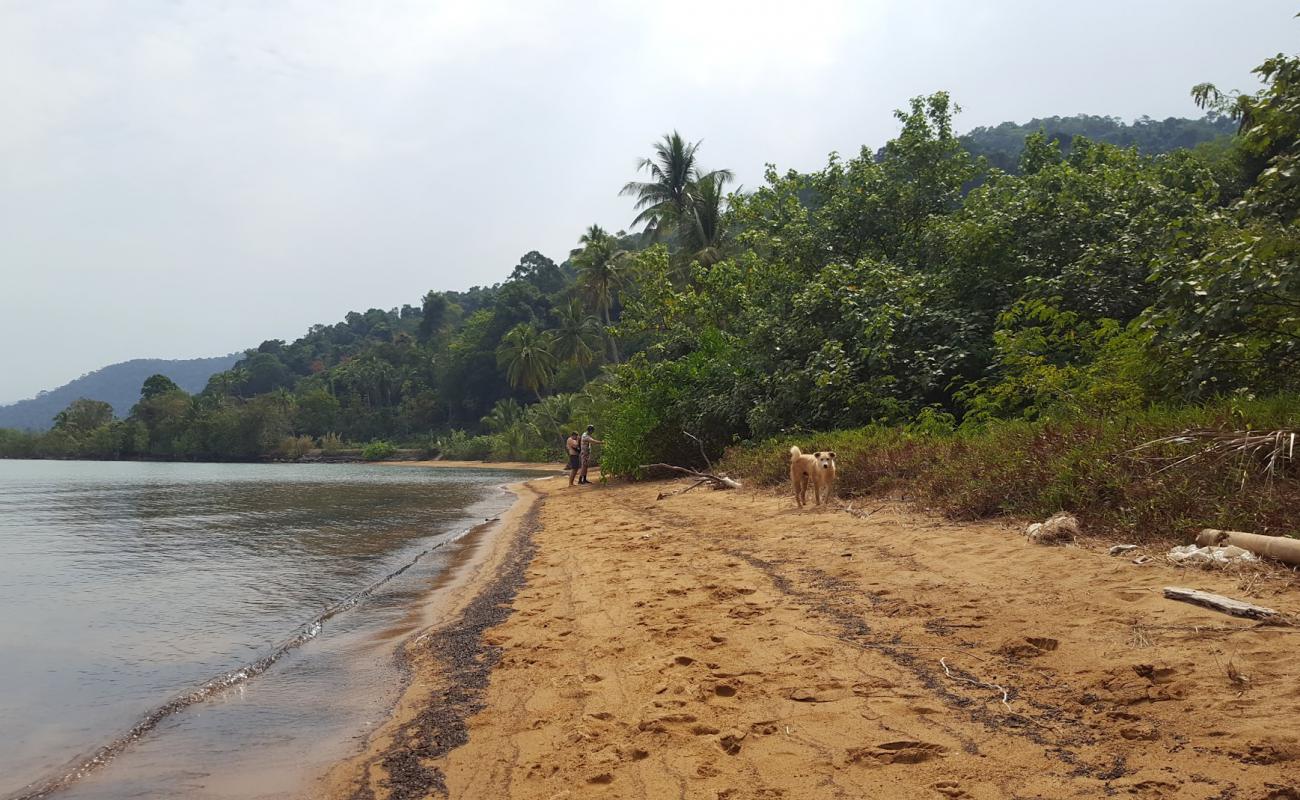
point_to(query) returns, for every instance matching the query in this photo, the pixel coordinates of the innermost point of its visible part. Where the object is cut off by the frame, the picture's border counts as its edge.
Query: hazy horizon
(184, 181)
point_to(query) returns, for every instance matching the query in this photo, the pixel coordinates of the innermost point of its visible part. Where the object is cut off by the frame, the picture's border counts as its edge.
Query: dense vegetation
(1001, 145)
(1089, 297)
(117, 384)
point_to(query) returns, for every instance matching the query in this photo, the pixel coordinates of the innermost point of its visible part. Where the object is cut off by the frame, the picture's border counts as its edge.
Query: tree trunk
(613, 346)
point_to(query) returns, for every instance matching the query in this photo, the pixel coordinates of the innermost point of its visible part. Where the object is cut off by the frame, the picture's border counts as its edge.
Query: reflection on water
(125, 584)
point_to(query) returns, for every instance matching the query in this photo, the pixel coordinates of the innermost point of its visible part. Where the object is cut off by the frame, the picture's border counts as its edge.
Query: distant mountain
(1001, 144)
(118, 384)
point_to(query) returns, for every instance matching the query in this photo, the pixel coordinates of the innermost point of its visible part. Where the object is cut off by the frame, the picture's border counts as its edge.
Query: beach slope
(726, 645)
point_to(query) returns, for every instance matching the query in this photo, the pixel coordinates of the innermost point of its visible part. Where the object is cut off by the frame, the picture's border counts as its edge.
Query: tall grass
(1095, 467)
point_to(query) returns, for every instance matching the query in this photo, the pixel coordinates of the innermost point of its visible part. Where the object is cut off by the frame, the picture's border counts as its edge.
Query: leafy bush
(332, 443)
(295, 447)
(378, 450)
(1088, 465)
(461, 446)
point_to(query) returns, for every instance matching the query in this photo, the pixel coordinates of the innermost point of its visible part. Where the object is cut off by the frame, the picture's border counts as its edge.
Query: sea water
(210, 630)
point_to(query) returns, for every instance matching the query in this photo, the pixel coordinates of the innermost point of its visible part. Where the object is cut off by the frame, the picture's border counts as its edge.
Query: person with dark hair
(572, 446)
(584, 449)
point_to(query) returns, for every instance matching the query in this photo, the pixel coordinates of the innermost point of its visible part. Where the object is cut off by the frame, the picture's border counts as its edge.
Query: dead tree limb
(701, 445)
(717, 481)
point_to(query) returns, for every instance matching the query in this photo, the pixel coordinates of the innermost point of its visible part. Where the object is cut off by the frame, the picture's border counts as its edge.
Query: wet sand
(726, 645)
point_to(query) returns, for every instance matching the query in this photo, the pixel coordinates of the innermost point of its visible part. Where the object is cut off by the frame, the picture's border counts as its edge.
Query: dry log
(1218, 602)
(1281, 548)
(718, 481)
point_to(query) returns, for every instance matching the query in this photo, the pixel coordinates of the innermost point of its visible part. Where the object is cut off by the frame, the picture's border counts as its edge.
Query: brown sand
(726, 645)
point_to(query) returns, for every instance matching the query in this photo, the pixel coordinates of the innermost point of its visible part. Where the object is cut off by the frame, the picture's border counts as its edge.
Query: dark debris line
(854, 629)
(441, 726)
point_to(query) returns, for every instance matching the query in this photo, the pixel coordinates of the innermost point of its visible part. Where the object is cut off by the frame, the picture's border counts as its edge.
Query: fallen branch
(859, 513)
(1218, 602)
(717, 481)
(701, 446)
(695, 485)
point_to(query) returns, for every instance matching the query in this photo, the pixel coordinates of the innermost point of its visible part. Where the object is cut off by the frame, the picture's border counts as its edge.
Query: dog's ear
(832, 454)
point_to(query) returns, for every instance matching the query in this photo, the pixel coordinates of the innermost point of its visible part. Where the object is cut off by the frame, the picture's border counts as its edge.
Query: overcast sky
(183, 179)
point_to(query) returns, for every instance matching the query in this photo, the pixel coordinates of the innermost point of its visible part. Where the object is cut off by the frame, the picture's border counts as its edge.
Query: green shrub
(1089, 465)
(295, 447)
(378, 450)
(460, 446)
(331, 443)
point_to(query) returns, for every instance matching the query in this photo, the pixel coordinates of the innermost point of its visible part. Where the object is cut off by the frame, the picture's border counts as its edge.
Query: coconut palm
(505, 414)
(664, 201)
(702, 236)
(525, 353)
(576, 337)
(599, 263)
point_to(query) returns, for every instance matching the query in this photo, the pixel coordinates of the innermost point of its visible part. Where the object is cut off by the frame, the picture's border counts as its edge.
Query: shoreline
(441, 658)
(727, 645)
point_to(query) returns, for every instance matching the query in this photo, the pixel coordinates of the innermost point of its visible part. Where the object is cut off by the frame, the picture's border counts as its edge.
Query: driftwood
(717, 481)
(1218, 602)
(1281, 548)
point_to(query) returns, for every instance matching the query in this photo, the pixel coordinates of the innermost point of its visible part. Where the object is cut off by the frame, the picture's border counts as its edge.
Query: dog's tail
(795, 452)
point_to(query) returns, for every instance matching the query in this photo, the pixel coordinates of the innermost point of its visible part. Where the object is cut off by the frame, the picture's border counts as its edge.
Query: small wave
(83, 766)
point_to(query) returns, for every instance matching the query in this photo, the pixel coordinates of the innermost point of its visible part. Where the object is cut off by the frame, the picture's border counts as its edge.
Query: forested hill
(116, 384)
(1002, 144)
(915, 285)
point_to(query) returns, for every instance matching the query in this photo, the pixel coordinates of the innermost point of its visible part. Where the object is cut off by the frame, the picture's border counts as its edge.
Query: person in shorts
(572, 446)
(584, 449)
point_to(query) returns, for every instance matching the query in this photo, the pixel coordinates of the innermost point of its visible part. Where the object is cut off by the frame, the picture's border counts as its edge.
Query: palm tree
(665, 199)
(505, 414)
(575, 336)
(704, 233)
(599, 265)
(526, 355)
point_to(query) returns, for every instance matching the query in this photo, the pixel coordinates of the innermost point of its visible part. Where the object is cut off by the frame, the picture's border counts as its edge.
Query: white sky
(183, 179)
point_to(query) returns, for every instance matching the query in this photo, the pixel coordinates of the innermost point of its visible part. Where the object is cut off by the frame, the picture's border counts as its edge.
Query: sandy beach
(608, 643)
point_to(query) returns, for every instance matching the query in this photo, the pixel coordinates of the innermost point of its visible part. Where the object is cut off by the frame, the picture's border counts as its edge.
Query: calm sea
(215, 630)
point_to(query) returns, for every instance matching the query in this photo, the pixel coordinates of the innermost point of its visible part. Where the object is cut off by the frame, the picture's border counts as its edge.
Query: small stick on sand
(943, 663)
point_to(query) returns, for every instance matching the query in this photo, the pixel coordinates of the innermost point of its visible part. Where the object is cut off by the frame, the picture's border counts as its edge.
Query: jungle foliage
(917, 284)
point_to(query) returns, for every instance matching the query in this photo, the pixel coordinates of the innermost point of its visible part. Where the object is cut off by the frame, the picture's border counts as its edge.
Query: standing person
(585, 448)
(572, 446)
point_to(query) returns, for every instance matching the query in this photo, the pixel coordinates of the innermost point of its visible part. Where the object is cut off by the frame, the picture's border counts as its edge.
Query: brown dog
(817, 469)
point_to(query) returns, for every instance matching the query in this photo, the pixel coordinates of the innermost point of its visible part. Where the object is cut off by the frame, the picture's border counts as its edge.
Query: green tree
(576, 337)
(505, 413)
(1228, 316)
(704, 232)
(84, 415)
(155, 385)
(525, 354)
(664, 202)
(599, 265)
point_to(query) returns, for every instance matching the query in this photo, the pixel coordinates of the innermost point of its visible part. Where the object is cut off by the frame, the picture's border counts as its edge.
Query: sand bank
(726, 645)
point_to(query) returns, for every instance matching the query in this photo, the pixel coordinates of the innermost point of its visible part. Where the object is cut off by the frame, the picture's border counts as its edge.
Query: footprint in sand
(904, 751)
(951, 789)
(1030, 647)
(821, 693)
